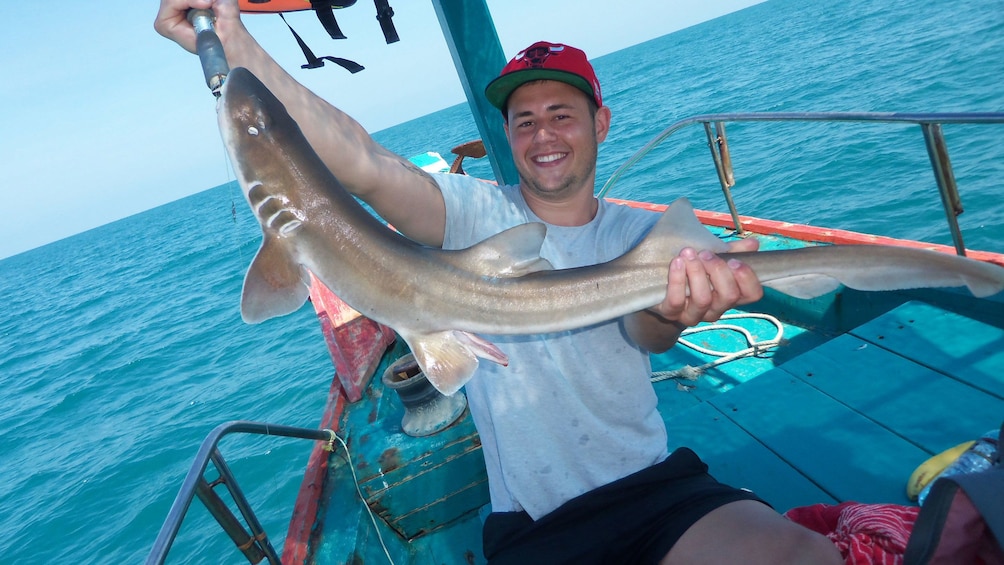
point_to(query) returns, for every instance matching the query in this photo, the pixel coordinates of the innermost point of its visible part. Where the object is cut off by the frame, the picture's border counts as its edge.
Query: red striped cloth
(864, 533)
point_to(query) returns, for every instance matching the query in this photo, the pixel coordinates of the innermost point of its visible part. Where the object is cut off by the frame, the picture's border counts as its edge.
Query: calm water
(122, 347)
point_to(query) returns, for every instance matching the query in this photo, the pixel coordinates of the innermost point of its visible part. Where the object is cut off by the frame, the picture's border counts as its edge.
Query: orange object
(278, 6)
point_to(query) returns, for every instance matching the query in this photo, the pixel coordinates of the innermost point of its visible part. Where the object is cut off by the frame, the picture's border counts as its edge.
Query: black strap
(385, 16)
(314, 61)
(986, 491)
(927, 529)
(351, 66)
(326, 15)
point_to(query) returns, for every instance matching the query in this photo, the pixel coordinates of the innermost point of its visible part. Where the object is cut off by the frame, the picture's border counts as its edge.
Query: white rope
(355, 481)
(691, 373)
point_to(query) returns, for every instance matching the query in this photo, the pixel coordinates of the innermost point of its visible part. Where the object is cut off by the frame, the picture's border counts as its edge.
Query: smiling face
(554, 134)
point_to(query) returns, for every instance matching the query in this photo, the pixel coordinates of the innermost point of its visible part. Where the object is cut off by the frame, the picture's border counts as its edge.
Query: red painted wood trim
(355, 342)
(301, 524)
(356, 345)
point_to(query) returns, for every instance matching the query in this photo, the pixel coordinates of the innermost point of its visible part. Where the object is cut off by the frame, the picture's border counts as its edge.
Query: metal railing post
(719, 146)
(195, 483)
(937, 150)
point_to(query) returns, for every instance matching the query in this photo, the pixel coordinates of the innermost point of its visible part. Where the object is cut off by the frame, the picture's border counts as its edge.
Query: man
(574, 446)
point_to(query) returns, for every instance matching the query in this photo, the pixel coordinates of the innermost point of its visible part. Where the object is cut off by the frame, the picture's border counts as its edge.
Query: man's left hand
(702, 285)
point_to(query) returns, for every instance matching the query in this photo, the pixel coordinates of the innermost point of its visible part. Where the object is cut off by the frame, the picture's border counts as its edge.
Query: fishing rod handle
(210, 50)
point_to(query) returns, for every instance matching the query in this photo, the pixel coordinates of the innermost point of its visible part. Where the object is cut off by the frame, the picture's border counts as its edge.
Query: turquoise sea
(122, 347)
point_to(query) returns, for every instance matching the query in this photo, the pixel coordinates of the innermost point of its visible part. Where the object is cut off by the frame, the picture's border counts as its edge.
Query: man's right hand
(172, 19)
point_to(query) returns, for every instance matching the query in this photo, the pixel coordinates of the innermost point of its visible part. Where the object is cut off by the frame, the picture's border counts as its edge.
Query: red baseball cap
(545, 61)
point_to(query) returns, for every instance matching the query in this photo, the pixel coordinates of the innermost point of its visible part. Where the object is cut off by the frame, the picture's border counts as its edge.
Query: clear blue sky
(103, 118)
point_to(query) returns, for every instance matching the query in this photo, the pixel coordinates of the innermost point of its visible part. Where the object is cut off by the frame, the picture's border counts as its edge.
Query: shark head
(266, 150)
(255, 127)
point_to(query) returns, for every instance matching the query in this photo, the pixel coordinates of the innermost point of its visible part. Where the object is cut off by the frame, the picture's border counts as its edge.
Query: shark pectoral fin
(804, 286)
(273, 286)
(512, 253)
(450, 358)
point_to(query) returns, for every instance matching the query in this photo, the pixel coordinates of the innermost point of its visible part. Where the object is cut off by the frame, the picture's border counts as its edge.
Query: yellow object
(930, 469)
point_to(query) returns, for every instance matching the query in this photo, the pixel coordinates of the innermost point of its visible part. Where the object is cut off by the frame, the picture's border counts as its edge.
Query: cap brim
(497, 92)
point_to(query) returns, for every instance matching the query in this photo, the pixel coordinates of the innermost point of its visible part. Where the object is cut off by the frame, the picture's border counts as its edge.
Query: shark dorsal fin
(677, 228)
(512, 253)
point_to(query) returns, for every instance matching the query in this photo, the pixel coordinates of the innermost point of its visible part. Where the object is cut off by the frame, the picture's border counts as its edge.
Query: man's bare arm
(400, 192)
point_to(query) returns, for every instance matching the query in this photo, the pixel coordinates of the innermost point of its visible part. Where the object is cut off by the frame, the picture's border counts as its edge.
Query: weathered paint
(354, 341)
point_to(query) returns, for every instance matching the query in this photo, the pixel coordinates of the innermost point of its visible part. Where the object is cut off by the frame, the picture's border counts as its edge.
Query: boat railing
(930, 125)
(254, 544)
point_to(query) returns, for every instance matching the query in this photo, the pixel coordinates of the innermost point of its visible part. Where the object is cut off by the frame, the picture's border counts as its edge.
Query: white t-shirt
(573, 410)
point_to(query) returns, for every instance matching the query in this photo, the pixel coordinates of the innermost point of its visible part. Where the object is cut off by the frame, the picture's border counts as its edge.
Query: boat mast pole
(477, 55)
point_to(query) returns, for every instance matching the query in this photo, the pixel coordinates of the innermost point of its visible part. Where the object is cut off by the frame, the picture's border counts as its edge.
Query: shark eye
(252, 130)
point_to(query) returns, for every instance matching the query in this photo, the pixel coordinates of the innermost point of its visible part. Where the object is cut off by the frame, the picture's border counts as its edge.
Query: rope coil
(756, 348)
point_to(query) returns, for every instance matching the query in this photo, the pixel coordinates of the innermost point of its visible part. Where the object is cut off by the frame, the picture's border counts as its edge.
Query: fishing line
(231, 177)
(235, 231)
(216, 69)
(355, 482)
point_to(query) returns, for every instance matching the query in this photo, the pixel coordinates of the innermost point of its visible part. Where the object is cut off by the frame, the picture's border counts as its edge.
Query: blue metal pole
(477, 54)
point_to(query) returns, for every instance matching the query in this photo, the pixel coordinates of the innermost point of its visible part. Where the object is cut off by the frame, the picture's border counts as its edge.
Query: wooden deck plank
(970, 351)
(845, 453)
(736, 458)
(926, 407)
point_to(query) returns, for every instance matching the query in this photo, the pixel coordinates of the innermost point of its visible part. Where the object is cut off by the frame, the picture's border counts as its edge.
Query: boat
(832, 399)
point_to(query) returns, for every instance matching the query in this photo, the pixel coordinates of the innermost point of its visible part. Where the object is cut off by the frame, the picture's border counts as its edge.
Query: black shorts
(636, 519)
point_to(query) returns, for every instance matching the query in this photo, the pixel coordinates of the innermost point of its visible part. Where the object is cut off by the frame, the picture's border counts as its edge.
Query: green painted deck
(820, 419)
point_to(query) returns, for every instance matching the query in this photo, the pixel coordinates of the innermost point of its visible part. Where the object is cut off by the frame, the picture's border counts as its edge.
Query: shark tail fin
(512, 253)
(812, 271)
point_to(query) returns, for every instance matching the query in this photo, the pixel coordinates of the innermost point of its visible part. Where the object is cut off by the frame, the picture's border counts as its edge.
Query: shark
(443, 302)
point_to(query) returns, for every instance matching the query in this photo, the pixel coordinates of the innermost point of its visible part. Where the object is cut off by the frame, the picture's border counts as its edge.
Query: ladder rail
(255, 545)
